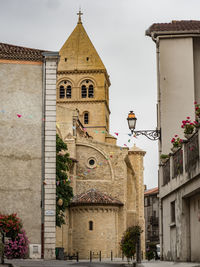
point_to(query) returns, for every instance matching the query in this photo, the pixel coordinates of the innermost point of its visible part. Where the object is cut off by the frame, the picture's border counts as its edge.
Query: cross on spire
(79, 16)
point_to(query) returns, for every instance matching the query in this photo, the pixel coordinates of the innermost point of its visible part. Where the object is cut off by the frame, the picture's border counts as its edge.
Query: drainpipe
(43, 155)
(156, 40)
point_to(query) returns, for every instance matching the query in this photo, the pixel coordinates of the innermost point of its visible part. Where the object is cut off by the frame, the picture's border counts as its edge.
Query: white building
(178, 69)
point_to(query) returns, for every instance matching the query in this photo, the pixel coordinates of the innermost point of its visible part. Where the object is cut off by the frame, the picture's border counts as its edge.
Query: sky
(117, 30)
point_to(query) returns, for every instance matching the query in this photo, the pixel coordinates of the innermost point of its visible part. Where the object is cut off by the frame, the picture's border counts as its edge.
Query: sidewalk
(115, 262)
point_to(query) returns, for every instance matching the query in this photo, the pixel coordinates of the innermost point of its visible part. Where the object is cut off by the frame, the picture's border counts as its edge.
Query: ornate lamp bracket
(150, 134)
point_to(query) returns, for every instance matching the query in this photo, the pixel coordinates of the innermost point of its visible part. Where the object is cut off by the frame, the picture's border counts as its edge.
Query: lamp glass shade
(131, 121)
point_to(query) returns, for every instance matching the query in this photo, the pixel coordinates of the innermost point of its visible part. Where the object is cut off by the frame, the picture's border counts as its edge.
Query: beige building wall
(177, 91)
(21, 142)
(28, 146)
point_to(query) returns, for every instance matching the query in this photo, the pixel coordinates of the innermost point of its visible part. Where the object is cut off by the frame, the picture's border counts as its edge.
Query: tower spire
(79, 16)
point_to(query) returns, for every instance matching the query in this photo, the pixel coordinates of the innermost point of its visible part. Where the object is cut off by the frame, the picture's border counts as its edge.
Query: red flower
(195, 102)
(188, 118)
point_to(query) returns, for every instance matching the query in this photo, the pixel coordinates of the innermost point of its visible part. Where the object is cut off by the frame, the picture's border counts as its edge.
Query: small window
(84, 91)
(87, 58)
(65, 59)
(91, 91)
(173, 214)
(154, 214)
(90, 225)
(62, 91)
(91, 162)
(86, 118)
(69, 91)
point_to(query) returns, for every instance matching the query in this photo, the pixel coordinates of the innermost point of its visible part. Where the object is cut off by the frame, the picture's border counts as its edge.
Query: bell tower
(83, 82)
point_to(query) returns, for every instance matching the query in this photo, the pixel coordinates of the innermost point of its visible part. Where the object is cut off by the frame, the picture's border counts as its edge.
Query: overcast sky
(117, 30)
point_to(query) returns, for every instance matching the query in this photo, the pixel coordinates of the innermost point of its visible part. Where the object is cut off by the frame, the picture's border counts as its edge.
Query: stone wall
(102, 238)
(21, 142)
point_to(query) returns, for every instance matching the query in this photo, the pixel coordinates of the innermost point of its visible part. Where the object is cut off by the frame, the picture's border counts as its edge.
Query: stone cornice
(85, 101)
(85, 72)
(137, 152)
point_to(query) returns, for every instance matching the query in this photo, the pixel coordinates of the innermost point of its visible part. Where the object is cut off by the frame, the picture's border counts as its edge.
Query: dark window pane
(84, 91)
(173, 214)
(91, 91)
(86, 118)
(69, 91)
(62, 91)
(90, 225)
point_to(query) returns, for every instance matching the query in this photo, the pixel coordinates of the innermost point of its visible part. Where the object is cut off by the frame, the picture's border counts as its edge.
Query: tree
(64, 191)
(130, 240)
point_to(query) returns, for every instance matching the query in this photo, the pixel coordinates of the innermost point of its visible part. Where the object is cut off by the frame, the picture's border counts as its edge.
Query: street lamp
(151, 134)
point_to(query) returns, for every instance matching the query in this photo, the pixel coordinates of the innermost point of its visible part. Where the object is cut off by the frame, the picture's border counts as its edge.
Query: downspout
(156, 40)
(43, 155)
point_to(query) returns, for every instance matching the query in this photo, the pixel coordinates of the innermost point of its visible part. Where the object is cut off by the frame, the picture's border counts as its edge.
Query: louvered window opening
(91, 91)
(69, 91)
(62, 91)
(84, 91)
(86, 118)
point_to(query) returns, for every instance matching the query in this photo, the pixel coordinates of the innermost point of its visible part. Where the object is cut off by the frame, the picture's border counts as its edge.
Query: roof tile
(94, 197)
(191, 26)
(151, 191)
(14, 52)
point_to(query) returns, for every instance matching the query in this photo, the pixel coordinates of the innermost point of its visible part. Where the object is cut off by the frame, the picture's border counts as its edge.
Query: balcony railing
(166, 172)
(184, 162)
(191, 153)
(177, 163)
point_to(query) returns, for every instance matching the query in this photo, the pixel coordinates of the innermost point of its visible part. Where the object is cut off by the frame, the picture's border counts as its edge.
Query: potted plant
(177, 143)
(164, 158)
(188, 127)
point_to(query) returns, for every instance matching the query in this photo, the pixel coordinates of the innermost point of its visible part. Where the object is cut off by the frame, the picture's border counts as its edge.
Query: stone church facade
(107, 180)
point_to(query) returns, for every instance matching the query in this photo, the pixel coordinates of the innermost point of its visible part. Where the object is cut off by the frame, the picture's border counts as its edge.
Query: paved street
(57, 263)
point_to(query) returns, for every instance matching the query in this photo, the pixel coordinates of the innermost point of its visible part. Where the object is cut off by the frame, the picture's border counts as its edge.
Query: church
(107, 180)
(65, 93)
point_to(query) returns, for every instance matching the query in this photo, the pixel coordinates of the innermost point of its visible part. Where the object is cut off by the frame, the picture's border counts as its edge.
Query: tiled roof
(14, 52)
(94, 197)
(177, 26)
(151, 191)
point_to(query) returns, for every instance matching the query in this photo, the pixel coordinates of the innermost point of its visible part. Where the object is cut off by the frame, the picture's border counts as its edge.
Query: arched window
(91, 91)
(69, 91)
(86, 118)
(90, 225)
(65, 89)
(87, 89)
(84, 91)
(62, 91)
